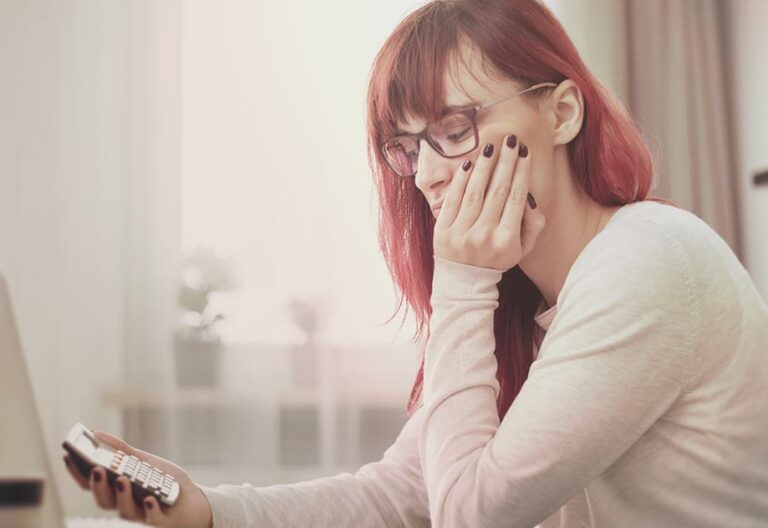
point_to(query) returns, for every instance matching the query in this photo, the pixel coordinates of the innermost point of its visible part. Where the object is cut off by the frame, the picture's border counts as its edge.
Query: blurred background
(188, 220)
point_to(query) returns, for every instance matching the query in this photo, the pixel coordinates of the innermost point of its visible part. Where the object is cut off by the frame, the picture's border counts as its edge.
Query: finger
(79, 478)
(500, 184)
(517, 198)
(120, 444)
(453, 197)
(533, 223)
(125, 504)
(474, 194)
(144, 456)
(155, 515)
(102, 490)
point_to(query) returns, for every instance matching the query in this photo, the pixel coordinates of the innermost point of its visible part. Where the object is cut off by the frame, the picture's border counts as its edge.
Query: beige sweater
(646, 406)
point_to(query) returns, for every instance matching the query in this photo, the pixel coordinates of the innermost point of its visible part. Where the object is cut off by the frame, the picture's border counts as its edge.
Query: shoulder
(632, 290)
(653, 241)
(650, 221)
(649, 257)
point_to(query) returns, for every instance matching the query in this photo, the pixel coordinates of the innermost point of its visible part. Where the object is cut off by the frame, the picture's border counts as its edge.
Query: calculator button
(143, 473)
(131, 467)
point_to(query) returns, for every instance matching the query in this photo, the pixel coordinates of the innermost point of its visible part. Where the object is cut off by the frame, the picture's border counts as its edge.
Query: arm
(618, 354)
(388, 493)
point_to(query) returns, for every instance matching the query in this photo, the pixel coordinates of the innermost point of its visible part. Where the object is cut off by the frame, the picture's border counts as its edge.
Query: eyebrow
(446, 110)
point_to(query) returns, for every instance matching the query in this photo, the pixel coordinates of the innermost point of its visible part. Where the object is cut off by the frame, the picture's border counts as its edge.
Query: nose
(433, 171)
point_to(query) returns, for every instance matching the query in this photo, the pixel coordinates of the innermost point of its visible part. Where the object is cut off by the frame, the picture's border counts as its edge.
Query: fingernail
(511, 141)
(148, 504)
(532, 201)
(96, 476)
(523, 151)
(488, 150)
(66, 460)
(467, 164)
(120, 486)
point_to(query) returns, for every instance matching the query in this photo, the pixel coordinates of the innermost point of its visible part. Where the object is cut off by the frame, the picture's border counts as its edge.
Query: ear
(566, 111)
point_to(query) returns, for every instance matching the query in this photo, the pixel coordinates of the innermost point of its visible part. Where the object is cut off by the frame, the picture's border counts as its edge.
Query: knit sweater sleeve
(619, 353)
(388, 493)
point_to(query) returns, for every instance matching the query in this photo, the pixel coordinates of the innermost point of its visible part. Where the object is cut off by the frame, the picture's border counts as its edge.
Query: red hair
(524, 41)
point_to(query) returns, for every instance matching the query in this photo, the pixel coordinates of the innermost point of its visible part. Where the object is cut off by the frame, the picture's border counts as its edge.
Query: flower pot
(304, 359)
(197, 361)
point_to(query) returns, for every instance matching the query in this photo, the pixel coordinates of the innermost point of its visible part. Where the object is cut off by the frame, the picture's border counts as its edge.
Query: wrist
(207, 515)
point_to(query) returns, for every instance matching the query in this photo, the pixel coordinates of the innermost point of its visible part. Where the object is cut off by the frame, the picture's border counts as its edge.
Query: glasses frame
(471, 114)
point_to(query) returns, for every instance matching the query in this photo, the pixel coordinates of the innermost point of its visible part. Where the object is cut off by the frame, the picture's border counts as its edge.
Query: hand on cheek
(488, 218)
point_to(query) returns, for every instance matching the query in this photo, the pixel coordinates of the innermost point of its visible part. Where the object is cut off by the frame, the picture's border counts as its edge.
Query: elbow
(481, 495)
(458, 504)
(446, 513)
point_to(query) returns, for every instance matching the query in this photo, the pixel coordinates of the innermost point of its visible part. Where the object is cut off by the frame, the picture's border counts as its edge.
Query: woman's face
(516, 116)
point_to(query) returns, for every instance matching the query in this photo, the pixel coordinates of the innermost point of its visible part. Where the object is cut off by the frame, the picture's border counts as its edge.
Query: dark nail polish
(523, 151)
(512, 141)
(466, 165)
(96, 476)
(119, 486)
(531, 201)
(148, 504)
(488, 150)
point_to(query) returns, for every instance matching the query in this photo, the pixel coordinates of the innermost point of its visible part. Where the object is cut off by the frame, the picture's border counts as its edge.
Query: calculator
(87, 451)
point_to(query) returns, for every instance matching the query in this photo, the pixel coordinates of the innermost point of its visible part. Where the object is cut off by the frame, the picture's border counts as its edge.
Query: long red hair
(522, 39)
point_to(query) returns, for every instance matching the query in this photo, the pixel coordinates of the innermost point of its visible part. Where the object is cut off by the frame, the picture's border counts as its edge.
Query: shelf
(181, 397)
(184, 397)
(260, 422)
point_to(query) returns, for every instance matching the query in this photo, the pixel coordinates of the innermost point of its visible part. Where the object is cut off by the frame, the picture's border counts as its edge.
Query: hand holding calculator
(87, 452)
(141, 486)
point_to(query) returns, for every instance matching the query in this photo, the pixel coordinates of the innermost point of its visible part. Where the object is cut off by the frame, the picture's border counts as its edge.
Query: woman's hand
(493, 229)
(191, 510)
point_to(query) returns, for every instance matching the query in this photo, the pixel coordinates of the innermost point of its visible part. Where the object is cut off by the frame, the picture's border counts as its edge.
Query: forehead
(469, 79)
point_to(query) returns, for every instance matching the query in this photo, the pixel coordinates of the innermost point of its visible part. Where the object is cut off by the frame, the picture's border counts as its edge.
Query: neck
(573, 219)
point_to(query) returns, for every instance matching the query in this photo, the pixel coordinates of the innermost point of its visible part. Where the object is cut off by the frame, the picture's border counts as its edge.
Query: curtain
(677, 90)
(665, 61)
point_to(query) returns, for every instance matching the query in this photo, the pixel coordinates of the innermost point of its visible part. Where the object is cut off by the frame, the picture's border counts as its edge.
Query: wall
(745, 24)
(88, 187)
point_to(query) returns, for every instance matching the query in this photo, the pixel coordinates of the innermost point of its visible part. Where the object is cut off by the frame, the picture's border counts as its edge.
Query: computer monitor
(23, 452)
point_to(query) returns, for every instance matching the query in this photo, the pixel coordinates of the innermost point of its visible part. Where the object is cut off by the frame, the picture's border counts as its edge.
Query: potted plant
(197, 342)
(305, 315)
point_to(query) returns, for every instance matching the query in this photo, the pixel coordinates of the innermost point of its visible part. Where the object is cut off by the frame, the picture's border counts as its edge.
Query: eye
(460, 135)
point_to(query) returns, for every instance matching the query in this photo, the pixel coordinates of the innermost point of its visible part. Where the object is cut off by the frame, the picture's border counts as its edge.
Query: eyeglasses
(452, 136)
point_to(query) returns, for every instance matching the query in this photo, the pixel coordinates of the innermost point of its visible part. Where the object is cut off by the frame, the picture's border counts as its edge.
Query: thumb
(160, 463)
(117, 443)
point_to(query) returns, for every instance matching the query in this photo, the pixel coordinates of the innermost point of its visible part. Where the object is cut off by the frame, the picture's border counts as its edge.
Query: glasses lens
(402, 154)
(454, 134)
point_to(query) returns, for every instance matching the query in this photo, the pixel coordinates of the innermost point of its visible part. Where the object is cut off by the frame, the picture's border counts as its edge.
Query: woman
(594, 358)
